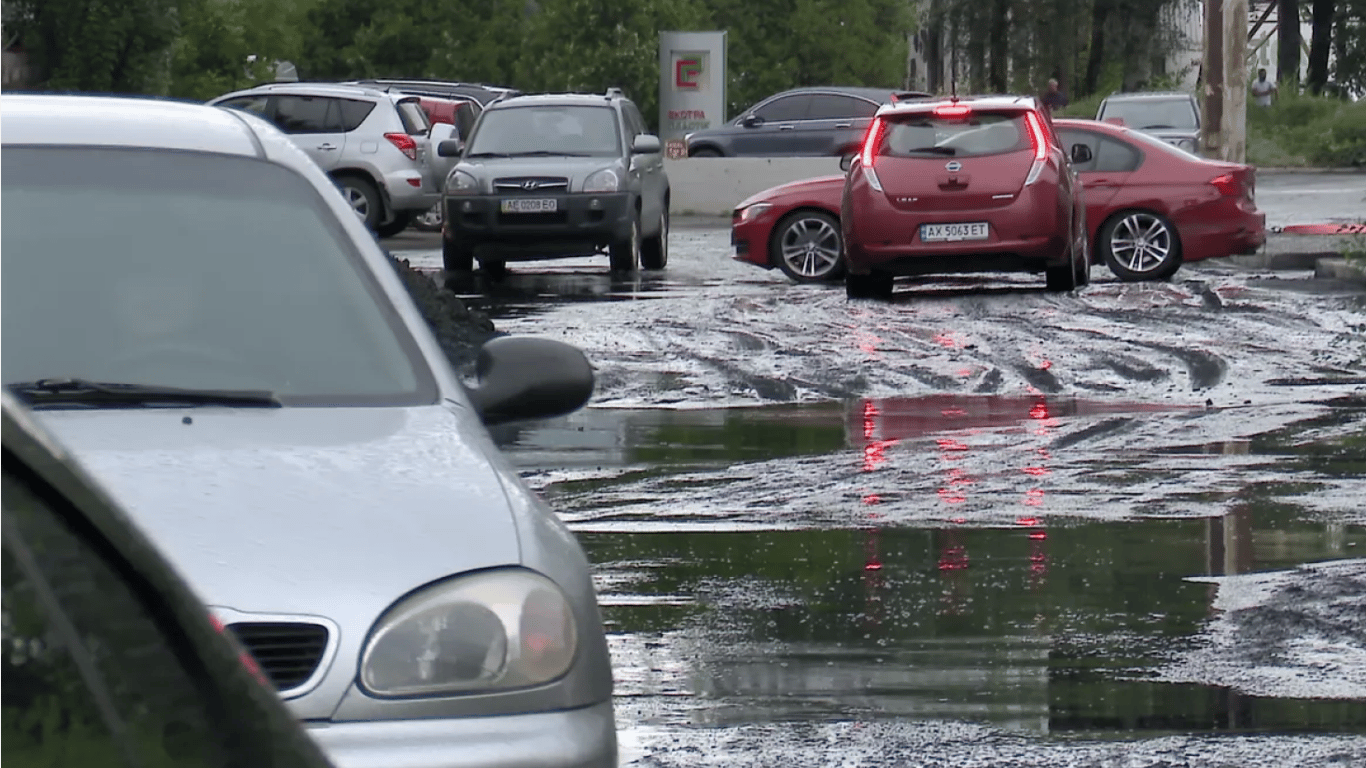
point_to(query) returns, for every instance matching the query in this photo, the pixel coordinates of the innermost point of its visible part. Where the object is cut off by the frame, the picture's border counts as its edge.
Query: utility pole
(1223, 132)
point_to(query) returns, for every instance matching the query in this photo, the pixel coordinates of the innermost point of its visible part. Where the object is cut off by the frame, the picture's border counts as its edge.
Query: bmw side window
(308, 114)
(257, 105)
(1116, 157)
(354, 112)
(1092, 142)
(785, 109)
(89, 677)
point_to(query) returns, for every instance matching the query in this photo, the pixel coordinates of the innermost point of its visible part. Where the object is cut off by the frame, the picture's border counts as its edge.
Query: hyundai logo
(953, 166)
(530, 185)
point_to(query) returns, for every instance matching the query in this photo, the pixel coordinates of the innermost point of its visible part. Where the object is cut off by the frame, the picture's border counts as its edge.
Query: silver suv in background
(1171, 116)
(374, 145)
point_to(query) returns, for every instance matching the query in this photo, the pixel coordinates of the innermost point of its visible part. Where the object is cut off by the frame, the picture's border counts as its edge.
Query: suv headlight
(494, 630)
(605, 180)
(461, 183)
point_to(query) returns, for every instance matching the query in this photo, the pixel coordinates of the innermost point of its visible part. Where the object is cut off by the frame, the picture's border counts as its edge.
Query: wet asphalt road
(981, 525)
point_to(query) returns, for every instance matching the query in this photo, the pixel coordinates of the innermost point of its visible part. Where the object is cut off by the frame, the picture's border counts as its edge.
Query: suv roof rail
(615, 93)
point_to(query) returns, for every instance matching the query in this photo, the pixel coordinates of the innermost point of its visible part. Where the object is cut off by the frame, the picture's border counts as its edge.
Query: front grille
(540, 184)
(288, 652)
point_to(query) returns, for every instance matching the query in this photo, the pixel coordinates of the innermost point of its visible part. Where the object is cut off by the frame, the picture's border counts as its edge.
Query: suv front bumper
(581, 223)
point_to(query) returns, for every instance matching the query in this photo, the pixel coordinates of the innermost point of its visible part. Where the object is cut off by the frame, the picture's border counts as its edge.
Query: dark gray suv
(555, 175)
(798, 123)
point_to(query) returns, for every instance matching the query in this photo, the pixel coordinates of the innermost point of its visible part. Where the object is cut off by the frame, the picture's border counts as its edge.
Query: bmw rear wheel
(1140, 245)
(807, 246)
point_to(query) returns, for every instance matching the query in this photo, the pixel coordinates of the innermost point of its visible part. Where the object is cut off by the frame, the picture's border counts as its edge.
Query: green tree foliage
(210, 57)
(117, 46)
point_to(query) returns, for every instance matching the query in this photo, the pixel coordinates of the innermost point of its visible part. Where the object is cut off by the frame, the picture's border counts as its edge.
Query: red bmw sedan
(978, 184)
(1152, 207)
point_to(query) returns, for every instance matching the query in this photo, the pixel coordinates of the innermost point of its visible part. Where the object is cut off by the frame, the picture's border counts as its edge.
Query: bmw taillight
(405, 143)
(1227, 185)
(871, 141)
(1039, 140)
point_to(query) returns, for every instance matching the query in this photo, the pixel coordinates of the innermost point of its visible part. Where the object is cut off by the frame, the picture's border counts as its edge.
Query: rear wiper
(486, 154)
(548, 153)
(1147, 127)
(936, 150)
(49, 392)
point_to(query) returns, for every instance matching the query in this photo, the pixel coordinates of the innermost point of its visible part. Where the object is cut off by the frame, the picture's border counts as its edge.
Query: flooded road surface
(982, 525)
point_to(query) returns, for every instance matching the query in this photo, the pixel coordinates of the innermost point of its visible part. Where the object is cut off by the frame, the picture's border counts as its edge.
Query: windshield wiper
(548, 153)
(1146, 127)
(49, 392)
(486, 154)
(936, 150)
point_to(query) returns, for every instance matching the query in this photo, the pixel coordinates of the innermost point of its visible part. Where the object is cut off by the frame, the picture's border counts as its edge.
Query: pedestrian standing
(1053, 98)
(1263, 90)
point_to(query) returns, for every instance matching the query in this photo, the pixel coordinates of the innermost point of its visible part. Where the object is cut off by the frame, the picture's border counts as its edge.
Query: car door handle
(786, 127)
(844, 125)
(327, 147)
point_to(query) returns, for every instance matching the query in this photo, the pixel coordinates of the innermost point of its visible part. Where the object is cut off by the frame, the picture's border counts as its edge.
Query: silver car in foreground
(254, 384)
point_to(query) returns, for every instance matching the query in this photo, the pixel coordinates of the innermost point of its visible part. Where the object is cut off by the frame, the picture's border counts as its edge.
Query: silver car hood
(331, 512)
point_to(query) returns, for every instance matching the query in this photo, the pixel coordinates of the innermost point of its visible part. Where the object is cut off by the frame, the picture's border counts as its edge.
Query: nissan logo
(530, 185)
(953, 166)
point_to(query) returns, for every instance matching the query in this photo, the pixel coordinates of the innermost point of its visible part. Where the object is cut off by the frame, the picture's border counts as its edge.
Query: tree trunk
(1100, 11)
(1288, 41)
(1320, 43)
(997, 40)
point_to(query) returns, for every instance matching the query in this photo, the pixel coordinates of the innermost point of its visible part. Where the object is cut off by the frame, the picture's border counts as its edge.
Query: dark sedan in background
(802, 122)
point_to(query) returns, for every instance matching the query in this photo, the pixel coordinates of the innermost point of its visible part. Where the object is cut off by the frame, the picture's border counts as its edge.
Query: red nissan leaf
(958, 185)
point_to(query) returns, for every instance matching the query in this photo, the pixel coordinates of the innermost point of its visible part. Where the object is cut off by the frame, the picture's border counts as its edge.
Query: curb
(1338, 268)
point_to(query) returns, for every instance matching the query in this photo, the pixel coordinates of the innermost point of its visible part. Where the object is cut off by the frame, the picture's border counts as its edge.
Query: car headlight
(461, 183)
(494, 630)
(751, 212)
(605, 180)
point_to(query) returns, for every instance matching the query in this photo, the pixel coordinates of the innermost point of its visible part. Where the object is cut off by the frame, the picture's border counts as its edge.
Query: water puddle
(1025, 562)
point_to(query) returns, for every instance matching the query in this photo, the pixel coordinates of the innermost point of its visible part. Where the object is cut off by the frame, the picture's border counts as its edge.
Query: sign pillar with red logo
(692, 86)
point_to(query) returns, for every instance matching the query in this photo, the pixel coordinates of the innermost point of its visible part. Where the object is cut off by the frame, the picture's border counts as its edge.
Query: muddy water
(940, 558)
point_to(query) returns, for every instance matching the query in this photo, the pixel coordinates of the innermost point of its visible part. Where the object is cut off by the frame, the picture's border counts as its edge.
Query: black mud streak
(1329, 605)
(1107, 427)
(991, 382)
(1040, 378)
(1206, 369)
(1133, 368)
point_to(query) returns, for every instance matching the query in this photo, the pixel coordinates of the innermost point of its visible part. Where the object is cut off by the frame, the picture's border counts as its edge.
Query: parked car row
(993, 184)
(256, 389)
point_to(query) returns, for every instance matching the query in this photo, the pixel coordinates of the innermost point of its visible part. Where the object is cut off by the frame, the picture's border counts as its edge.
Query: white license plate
(939, 233)
(529, 205)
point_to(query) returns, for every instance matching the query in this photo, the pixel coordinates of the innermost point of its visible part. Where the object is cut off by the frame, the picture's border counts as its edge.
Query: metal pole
(1212, 126)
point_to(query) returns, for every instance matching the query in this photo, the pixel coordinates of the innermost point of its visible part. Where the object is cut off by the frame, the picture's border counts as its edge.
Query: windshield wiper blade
(548, 153)
(936, 150)
(1146, 127)
(486, 154)
(49, 392)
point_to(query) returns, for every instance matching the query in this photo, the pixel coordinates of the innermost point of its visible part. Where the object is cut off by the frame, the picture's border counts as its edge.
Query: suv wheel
(363, 198)
(625, 254)
(456, 257)
(395, 225)
(654, 253)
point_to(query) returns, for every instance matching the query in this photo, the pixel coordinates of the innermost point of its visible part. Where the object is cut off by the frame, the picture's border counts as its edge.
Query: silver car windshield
(192, 270)
(543, 130)
(1152, 114)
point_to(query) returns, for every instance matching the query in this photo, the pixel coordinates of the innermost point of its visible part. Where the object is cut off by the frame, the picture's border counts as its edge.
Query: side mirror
(846, 161)
(1081, 153)
(646, 144)
(752, 121)
(450, 148)
(519, 378)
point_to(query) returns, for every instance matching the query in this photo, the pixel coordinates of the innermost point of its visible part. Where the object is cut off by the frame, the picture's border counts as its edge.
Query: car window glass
(830, 106)
(415, 121)
(1152, 114)
(636, 120)
(572, 129)
(84, 657)
(1071, 138)
(784, 109)
(354, 112)
(189, 305)
(254, 104)
(1116, 156)
(924, 135)
(307, 114)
